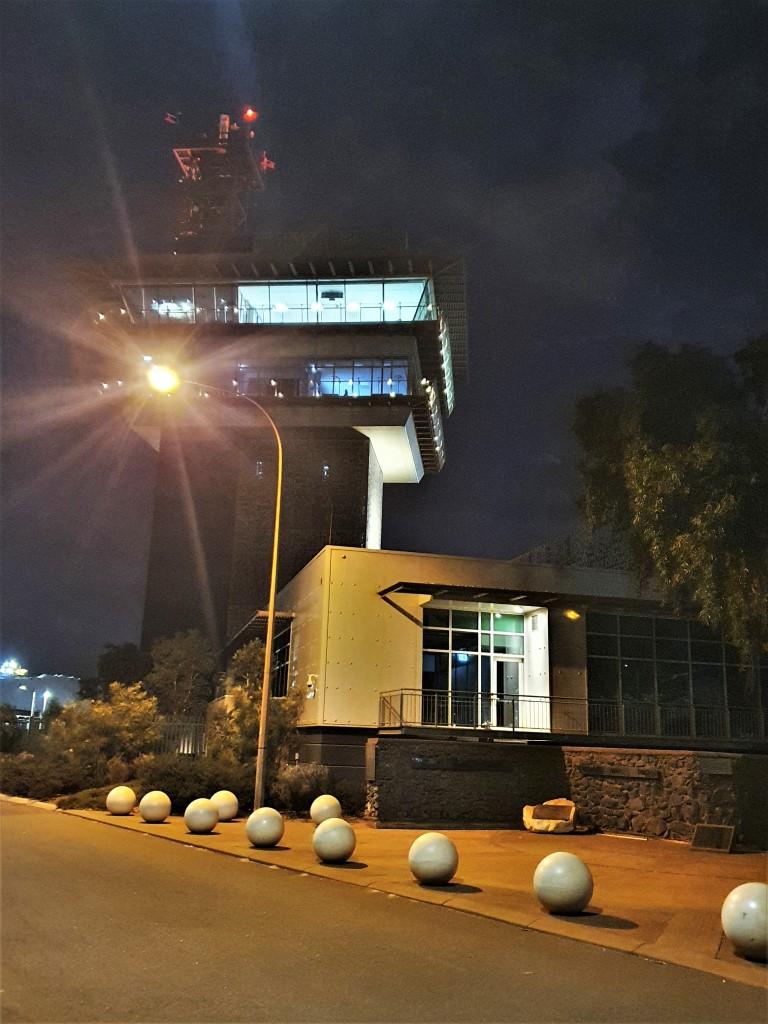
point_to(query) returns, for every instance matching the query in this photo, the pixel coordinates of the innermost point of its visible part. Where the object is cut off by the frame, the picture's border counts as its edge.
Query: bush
(88, 799)
(351, 796)
(186, 778)
(40, 776)
(297, 785)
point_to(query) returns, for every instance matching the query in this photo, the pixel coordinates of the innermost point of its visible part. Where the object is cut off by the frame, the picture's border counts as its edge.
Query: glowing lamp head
(163, 379)
(250, 115)
(572, 615)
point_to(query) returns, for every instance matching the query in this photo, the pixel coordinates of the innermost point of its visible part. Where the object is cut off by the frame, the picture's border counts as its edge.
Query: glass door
(505, 681)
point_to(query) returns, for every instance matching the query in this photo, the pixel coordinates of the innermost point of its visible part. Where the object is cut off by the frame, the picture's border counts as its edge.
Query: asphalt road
(101, 924)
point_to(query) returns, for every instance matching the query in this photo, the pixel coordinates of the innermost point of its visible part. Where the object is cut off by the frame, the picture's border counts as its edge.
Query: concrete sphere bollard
(433, 859)
(226, 803)
(334, 840)
(563, 883)
(121, 800)
(265, 827)
(324, 807)
(155, 806)
(201, 816)
(744, 917)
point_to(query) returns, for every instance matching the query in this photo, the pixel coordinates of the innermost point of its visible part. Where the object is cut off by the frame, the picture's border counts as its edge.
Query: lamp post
(166, 380)
(31, 706)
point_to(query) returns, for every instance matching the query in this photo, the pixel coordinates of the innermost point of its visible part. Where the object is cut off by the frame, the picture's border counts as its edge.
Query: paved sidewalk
(654, 898)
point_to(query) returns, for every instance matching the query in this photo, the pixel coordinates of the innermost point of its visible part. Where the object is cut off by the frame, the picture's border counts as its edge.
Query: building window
(474, 669)
(336, 301)
(281, 660)
(652, 675)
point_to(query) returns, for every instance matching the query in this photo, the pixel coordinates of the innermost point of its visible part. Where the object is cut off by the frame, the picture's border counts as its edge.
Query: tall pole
(261, 750)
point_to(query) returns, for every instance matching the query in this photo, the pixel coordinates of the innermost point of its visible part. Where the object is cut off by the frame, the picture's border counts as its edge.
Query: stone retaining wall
(659, 793)
(433, 782)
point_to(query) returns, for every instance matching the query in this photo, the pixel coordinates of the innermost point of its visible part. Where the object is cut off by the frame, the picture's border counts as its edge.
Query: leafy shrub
(88, 799)
(297, 785)
(186, 778)
(351, 796)
(40, 776)
(123, 726)
(11, 733)
(118, 771)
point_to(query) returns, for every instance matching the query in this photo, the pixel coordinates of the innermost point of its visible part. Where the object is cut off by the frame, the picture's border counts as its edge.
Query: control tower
(352, 343)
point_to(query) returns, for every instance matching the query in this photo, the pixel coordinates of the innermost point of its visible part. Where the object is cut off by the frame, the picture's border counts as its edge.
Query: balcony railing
(568, 715)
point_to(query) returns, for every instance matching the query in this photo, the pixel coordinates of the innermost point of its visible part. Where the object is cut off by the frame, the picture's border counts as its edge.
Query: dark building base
(466, 783)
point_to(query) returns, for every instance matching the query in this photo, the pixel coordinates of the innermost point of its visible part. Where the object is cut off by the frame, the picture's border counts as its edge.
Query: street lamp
(32, 705)
(166, 380)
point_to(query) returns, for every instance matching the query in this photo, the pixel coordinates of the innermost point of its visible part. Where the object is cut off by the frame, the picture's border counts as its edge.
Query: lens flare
(163, 379)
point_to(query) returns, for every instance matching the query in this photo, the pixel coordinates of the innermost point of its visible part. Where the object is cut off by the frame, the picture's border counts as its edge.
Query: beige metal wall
(306, 596)
(350, 645)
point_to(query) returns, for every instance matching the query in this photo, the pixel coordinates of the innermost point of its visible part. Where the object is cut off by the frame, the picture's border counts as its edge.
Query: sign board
(712, 837)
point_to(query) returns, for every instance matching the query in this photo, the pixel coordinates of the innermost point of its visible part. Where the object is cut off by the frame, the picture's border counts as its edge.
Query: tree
(122, 663)
(123, 726)
(234, 724)
(182, 668)
(678, 463)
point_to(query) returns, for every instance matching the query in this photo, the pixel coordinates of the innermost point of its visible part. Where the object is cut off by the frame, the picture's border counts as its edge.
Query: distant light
(388, 305)
(424, 382)
(350, 383)
(317, 307)
(572, 614)
(273, 382)
(391, 394)
(280, 394)
(123, 311)
(280, 307)
(119, 383)
(23, 687)
(163, 379)
(353, 307)
(234, 382)
(100, 316)
(250, 115)
(147, 359)
(389, 382)
(104, 385)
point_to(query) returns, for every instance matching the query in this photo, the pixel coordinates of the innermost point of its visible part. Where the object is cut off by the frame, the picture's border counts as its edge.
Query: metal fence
(182, 736)
(528, 713)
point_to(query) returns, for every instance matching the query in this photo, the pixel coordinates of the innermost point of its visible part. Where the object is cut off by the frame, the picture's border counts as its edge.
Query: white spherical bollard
(744, 917)
(226, 803)
(121, 800)
(324, 807)
(155, 806)
(433, 859)
(563, 883)
(201, 816)
(265, 827)
(334, 840)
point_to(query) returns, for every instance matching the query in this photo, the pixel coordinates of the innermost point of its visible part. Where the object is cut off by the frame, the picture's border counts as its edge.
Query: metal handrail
(537, 713)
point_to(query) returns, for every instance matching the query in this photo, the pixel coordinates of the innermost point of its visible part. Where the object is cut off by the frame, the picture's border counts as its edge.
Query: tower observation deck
(354, 345)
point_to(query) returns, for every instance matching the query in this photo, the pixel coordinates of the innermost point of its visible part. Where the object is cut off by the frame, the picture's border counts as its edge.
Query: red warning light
(250, 115)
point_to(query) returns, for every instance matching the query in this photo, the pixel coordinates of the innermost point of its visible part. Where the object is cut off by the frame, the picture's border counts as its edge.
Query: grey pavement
(108, 924)
(654, 898)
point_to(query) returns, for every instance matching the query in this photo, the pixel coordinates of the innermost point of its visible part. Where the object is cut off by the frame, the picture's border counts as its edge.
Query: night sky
(601, 165)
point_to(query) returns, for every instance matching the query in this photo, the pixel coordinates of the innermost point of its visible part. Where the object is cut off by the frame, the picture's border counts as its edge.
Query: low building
(403, 656)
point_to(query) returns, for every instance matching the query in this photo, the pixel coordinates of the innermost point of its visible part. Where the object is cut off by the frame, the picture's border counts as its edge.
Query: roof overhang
(512, 596)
